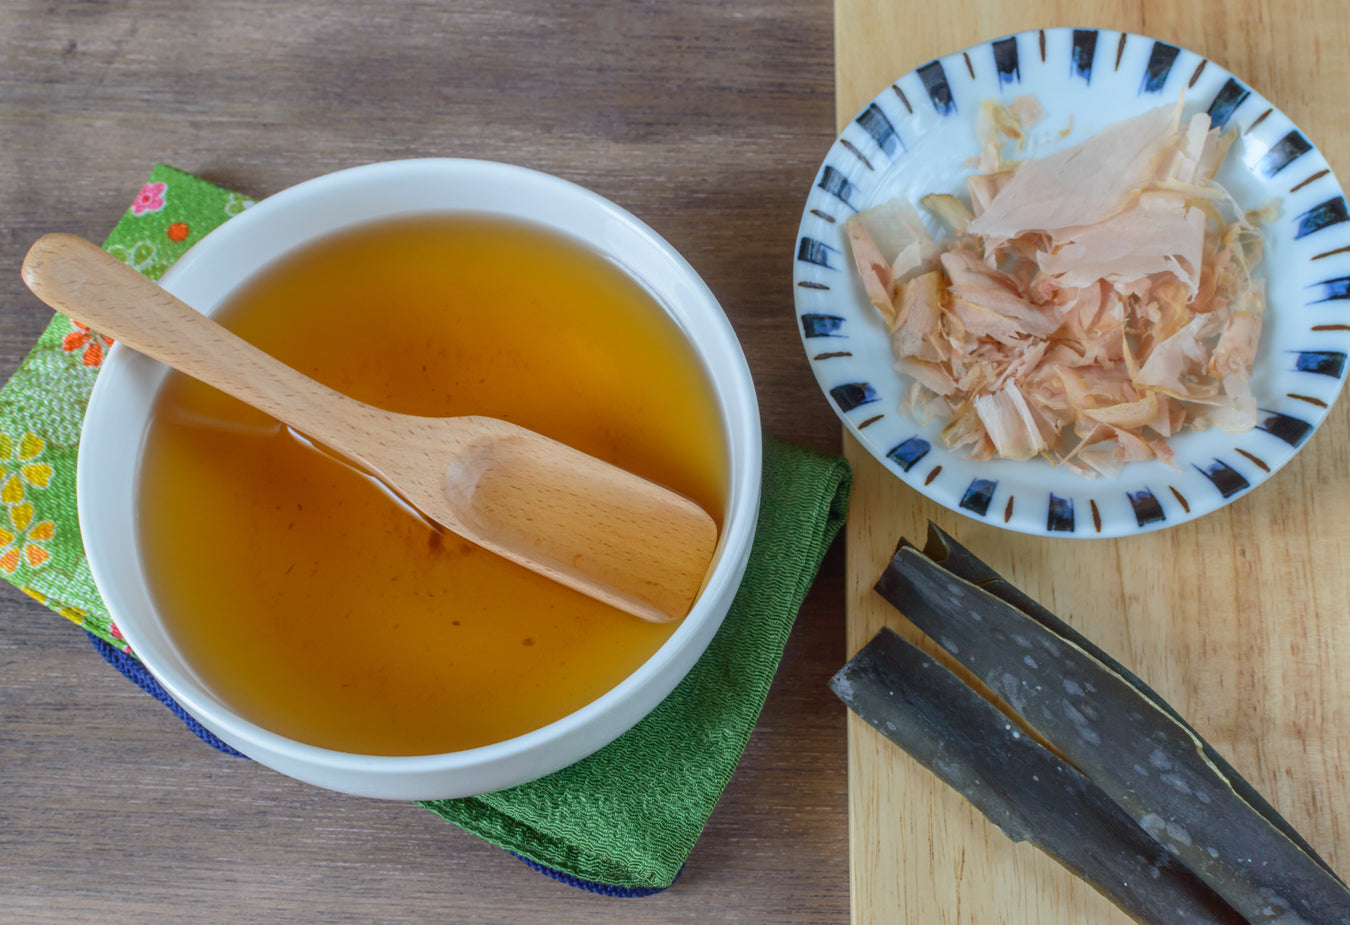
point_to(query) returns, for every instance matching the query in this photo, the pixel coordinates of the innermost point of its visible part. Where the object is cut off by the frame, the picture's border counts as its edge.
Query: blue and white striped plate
(916, 138)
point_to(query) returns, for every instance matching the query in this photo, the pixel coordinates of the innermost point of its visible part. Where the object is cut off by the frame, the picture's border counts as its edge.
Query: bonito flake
(1087, 306)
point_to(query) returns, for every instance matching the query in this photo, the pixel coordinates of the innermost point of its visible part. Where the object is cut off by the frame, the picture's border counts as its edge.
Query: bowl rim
(312, 203)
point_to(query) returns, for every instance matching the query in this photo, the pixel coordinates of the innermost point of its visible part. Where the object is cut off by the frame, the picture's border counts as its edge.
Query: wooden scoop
(583, 522)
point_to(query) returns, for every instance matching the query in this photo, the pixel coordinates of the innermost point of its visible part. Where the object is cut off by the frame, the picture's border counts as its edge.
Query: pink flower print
(149, 199)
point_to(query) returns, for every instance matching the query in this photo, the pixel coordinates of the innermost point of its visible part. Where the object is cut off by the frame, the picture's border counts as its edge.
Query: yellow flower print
(23, 543)
(75, 615)
(21, 466)
(22, 540)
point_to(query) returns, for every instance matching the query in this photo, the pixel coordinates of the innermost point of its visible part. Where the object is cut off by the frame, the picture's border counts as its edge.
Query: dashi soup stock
(318, 605)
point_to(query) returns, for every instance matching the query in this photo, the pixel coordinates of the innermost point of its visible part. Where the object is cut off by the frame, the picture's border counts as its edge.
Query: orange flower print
(149, 199)
(95, 345)
(177, 232)
(23, 543)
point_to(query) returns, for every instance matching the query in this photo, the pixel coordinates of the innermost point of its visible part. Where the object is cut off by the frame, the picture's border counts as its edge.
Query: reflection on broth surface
(311, 600)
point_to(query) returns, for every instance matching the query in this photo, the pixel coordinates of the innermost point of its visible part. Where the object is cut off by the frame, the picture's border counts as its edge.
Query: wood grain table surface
(707, 119)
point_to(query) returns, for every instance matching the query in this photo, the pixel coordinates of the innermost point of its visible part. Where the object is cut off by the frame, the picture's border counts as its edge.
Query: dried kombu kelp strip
(1020, 786)
(1152, 766)
(961, 562)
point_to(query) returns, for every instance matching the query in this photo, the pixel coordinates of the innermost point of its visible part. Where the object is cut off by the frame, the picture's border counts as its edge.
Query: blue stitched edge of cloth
(133, 670)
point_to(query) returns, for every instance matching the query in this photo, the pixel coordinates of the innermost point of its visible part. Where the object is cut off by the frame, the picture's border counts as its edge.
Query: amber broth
(308, 598)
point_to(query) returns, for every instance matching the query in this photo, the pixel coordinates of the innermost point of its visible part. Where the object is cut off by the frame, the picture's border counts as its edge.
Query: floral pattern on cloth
(73, 614)
(141, 256)
(149, 199)
(23, 537)
(42, 407)
(235, 203)
(92, 346)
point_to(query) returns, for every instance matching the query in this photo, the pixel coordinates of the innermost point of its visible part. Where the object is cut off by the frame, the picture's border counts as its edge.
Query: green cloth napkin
(42, 406)
(627, 816)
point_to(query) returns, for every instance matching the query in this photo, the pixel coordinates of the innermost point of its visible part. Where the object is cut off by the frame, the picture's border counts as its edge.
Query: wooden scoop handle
(579, 520)
(89, 285)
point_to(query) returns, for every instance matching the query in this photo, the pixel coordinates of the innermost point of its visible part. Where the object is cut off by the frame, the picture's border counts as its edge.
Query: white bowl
(119, 412)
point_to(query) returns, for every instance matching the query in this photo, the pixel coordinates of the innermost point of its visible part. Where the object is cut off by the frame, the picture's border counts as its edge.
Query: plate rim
(917, 99)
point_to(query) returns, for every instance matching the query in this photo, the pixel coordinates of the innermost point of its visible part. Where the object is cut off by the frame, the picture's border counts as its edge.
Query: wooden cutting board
(1240, 619)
